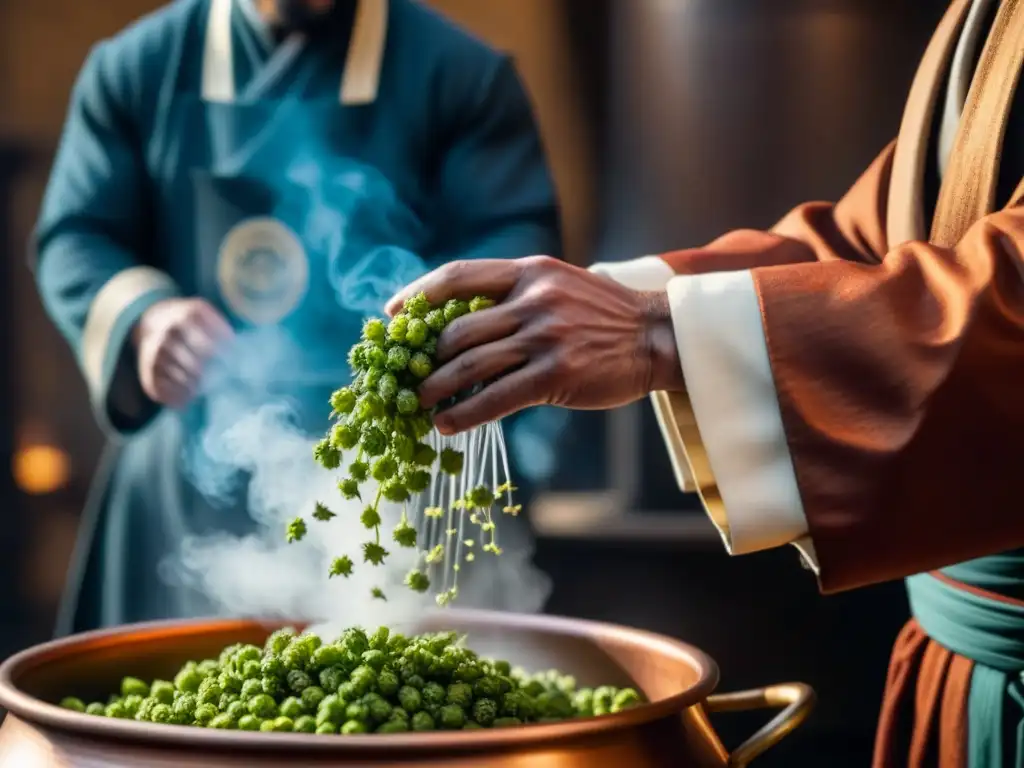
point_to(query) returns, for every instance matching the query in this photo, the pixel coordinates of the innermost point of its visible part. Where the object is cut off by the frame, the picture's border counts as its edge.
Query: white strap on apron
(359, 82)
(961, 72)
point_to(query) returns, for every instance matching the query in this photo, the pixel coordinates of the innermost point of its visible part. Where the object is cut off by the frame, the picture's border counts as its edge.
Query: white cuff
(717, 320)
(648, 273)
(107, 312)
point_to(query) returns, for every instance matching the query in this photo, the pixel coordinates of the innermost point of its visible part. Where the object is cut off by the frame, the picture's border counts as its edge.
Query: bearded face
(304, 15)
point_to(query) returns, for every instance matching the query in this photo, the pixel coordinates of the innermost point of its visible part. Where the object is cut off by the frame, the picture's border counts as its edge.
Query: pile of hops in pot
(383, 682)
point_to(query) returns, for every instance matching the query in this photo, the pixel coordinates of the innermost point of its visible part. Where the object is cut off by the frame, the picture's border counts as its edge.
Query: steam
(252, 463)
(252, 460)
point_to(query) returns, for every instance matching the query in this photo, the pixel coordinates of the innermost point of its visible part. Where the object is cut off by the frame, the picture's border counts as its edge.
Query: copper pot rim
(39, 712)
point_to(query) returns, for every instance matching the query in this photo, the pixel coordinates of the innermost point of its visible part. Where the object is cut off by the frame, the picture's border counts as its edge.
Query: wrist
(661, 350)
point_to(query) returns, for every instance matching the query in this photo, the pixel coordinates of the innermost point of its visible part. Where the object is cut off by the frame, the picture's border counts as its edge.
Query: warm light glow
(41, 469)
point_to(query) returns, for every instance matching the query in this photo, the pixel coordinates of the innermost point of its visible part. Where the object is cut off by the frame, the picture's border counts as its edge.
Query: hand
(174, 339)
(559, 336)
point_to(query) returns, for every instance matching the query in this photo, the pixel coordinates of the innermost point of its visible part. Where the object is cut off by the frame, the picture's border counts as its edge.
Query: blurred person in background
(848, 381)
(236, 164)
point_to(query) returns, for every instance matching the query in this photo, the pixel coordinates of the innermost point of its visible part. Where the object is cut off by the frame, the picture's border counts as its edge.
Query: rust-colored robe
(855, 386)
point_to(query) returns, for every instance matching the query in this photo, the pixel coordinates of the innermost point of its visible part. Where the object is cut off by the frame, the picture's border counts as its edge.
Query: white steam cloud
(254, 450)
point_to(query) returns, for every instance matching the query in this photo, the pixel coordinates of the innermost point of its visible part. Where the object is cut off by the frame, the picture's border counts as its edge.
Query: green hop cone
(455, 308)
(378, 594)
(480, 302)
(376, 357)
(322, 513)
(480, 497)
(397, 328)
(349, 488)
(358, 471)
(296, 530)
(343, 401)
(422, 425)
(341, 566)
(484, 711)
(435, 555)
(452, 716)
(423, 455)
(369, 406)
(370, 518)
(344, 437)
(326, 454)
(387, 387)
(134, 686)
(72, 703)
(429, 347)
(374, 442)
(398, 359)
(417, 333)
(371, 380)
(374, 553)
(435, 320)
(384, 468)
(420, 365)
(375, 331)
(417, 480)
(417, 306)
(407, 402)
(451, 461)
(404, 535)
(446, 597)
(460, 694)
(625, 699)
(395, 490)
(417, 580)
(403, 447)
(357, 357)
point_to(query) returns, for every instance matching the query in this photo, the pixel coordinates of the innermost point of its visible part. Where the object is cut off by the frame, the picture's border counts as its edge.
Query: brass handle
(796, 698)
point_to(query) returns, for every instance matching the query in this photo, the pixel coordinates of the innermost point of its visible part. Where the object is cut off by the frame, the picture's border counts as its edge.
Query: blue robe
(294, 184)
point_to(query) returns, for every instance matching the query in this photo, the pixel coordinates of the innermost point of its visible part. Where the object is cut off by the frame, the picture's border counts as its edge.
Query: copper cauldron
(671, 732)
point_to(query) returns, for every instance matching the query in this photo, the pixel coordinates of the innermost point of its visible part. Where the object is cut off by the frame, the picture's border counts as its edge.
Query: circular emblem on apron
(262, 271)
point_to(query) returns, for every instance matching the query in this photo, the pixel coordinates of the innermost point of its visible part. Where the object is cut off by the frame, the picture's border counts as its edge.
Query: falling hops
(378, 417)
(458, 509)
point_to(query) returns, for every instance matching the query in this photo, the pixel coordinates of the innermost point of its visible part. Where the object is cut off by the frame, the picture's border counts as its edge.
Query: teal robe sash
(958, 608)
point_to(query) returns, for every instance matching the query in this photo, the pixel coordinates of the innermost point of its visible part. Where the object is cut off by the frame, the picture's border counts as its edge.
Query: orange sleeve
(901, 401)
(852, 230)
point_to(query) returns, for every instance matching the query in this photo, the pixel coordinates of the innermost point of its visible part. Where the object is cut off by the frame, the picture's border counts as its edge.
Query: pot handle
(797, 700)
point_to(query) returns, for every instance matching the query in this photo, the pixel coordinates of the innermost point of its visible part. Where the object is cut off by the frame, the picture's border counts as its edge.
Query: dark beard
(296, 16)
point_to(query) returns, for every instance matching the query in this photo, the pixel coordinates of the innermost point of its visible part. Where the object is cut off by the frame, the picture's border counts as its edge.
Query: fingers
(179, 350)
(494, 278)
(478, 328)
(469, 369)
(172, 393)
(186, 349)
(216, 327)
(509, 394)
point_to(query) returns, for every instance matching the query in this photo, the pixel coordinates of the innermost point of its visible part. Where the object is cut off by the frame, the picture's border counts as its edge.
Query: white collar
(359, 81)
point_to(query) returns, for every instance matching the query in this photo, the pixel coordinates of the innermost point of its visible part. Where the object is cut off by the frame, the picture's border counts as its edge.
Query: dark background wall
(668, 122)
(713, 115)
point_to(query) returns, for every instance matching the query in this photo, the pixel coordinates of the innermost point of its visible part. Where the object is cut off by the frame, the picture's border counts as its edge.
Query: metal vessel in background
(672, 731)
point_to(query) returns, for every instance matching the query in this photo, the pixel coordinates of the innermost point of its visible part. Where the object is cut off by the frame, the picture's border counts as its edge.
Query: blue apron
(295, 244)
